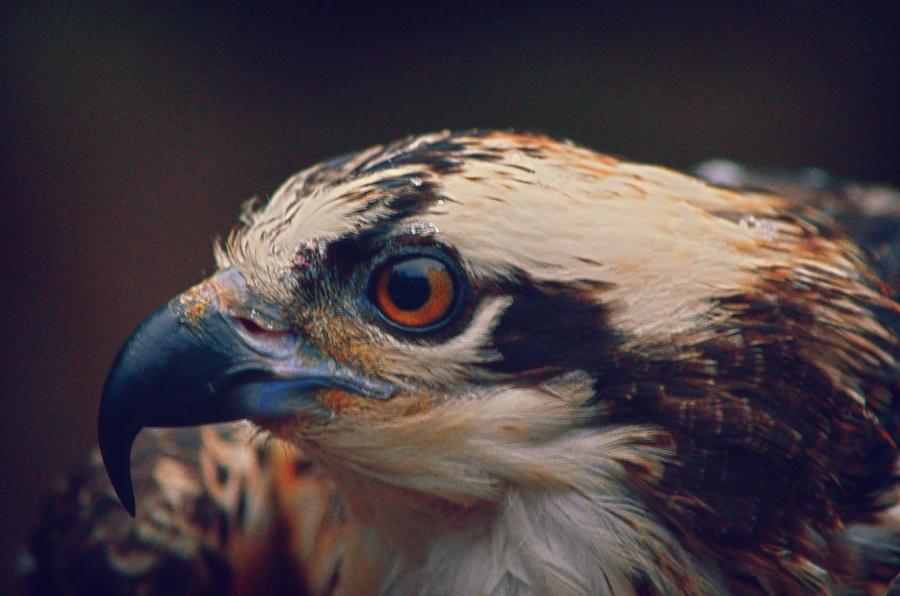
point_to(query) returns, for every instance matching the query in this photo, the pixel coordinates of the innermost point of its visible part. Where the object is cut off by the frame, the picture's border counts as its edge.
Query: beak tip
(126, 498)
(129, 505)
(120, 478)
(115, 450)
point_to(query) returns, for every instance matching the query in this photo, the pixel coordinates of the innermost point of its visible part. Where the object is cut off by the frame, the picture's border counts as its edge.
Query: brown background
(131, 134)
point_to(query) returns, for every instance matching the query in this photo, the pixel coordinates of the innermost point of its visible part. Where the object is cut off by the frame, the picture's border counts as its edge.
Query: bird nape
(494, 363)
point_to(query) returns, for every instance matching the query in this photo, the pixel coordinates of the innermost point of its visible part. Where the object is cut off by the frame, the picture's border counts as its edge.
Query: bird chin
(293, 429)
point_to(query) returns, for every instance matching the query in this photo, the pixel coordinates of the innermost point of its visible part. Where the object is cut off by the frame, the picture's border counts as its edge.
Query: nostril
(255, 329)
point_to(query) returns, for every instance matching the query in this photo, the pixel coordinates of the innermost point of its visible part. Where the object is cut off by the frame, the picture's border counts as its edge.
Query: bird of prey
(495, 363)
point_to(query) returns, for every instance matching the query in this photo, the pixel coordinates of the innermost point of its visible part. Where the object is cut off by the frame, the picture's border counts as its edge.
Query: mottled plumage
(620, 380)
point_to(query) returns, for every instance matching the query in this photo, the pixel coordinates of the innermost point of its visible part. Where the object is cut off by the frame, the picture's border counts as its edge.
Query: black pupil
(408, 285)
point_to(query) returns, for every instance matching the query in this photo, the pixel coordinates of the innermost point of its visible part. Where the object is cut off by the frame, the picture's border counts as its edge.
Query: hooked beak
(193, 362)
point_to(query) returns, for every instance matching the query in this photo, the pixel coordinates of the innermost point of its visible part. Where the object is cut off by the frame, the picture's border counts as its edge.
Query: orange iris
(415, 292)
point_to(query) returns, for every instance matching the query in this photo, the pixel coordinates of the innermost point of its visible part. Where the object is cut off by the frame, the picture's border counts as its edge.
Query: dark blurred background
(131, 134)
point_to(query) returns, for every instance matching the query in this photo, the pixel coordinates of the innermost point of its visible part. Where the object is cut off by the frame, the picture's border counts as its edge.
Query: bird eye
(416, 292)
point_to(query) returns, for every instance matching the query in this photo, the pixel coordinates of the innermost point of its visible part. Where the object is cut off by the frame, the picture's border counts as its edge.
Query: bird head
(461, 313)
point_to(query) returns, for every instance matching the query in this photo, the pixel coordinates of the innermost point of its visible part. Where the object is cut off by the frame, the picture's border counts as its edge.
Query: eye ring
(415, 292)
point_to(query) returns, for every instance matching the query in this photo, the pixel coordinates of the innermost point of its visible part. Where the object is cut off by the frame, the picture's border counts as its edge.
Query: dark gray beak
(192, 362)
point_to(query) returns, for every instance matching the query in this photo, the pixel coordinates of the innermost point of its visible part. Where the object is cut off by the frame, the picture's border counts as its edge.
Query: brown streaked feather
(218, 514)
(659, 386)
(868, 213)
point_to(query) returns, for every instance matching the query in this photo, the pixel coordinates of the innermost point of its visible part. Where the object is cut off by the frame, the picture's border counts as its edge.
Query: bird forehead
(380, 188)
(445, 181)
(386, 185)
(509, 203)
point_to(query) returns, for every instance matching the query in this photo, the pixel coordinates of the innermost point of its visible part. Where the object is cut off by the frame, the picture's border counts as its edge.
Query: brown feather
(654, 386)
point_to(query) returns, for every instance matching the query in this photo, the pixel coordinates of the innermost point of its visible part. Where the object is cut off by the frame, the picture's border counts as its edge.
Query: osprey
(494, 363)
